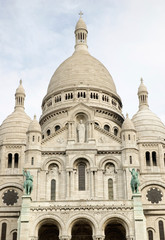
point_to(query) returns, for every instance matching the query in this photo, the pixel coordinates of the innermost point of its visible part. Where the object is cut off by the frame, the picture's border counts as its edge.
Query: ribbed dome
(34, 126)
(128, 124)
(15, 126)
(83, 70)
(148, 125)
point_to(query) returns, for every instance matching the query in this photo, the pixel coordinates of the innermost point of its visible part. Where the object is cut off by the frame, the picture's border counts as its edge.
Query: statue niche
(81, 132)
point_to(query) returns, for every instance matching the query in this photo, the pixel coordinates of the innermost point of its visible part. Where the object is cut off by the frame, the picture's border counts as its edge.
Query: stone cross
(81, 13)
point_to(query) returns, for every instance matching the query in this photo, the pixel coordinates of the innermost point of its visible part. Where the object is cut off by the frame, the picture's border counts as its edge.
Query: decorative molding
(87, 208)
(54, 153)
(109, 152)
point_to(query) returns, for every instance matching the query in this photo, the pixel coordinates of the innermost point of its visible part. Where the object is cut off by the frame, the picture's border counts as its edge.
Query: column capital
(65, 237)
(98, 237)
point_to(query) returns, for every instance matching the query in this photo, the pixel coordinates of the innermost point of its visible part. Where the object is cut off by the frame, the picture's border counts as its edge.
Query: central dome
(81, 69)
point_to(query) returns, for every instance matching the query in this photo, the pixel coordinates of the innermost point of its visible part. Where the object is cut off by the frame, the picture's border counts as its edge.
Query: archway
(48, 231)
(115, 231)
(81, 231)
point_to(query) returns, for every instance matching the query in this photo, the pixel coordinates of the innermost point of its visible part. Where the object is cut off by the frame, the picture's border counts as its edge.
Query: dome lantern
(143, 96)
(19, 97)
(81, 34)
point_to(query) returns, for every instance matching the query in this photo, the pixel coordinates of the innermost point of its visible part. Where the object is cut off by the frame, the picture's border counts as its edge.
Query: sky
(127, 36)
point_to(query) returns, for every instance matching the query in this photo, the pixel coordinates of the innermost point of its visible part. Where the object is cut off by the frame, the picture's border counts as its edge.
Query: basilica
(81, 159)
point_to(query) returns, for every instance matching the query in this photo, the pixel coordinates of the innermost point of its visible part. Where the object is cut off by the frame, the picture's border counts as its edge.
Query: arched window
(107, 127)
(16, 159)
(148, 159)
(161, 230)
(48, 132)
(32, 161)
(96, 124)
(129, 137)
(110, 189)
(154, 159)
(3, 231)
(57, 127)
(33, 138)
(15, 236)
(9, 160)
(130, 159)
(81, 176)
(115, 131)
(53, 190)
(43, 136)
(150, 235)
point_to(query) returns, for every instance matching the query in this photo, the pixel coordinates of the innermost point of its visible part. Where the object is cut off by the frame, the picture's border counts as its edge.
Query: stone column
(139, 218)
(67, 183)
(91, 183)
(71, 132)
(90, 131)
(23, 225)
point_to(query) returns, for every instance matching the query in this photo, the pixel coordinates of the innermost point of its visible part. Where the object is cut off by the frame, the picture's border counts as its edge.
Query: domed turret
(33, 146)
(129, 146)
(128, 133)
(34, 126)
(147, 124)
(128, 124)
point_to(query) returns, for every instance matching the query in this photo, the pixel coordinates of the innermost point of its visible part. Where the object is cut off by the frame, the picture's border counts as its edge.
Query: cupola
(20, 96)
(81, 34)
(143, 95)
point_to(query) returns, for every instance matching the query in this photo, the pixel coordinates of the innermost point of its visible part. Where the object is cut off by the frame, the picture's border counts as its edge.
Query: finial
(126, 115)
(80, 13)
(35, 117)
(20, 82)
(141, 80)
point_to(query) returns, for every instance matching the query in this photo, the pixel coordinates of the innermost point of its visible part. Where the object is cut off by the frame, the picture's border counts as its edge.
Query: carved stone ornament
(10, 197)
(154, 195)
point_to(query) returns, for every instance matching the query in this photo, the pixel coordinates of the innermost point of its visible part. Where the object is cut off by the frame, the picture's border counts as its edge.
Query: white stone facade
(80, 155)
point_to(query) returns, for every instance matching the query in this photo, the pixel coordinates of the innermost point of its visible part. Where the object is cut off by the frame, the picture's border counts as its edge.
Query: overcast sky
(127, 36)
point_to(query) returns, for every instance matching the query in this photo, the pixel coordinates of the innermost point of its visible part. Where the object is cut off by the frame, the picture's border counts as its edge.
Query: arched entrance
(81, 231)
(115, 231)
(48, 231)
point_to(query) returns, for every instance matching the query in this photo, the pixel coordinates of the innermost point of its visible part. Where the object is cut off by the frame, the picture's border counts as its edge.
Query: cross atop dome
(80, 13)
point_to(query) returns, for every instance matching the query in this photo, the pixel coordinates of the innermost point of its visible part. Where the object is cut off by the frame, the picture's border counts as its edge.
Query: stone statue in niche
(110, 168)
(53, 168)
(81, 132)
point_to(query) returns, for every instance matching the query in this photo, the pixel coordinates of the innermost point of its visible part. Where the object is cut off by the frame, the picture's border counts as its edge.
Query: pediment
(56, 140)
(81, 108)
(104, 137)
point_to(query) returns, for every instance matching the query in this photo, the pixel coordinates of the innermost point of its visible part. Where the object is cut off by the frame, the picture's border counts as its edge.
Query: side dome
(14, 127)
(81, 69)
(147, 124)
